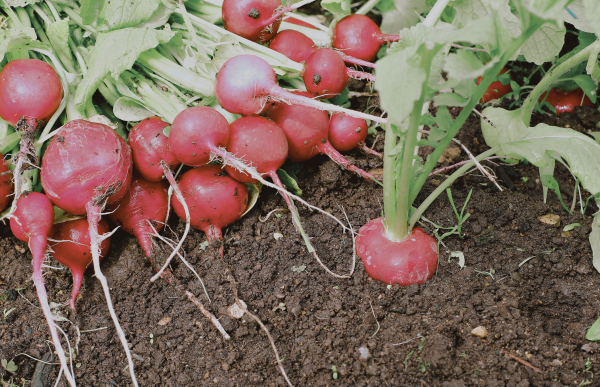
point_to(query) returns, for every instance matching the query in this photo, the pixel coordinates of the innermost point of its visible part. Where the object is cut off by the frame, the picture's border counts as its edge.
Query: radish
(87, 166)
(31, 93)
(347, 133)
(496, 90)
(32, 223)
(360, 37)
(306, 130)
(145, 202)
(246, 83)
(408, 261)
(215, 200)
(565, 101)
(256, 20)
(5, 183)
(73, 249)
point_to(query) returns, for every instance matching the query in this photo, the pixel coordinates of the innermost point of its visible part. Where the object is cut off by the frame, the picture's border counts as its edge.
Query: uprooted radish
(32, 223)
(87, 166)
(360, 37)
(5, 183)
(307, 132)
(30, 93)
(256, 20)
(214, 198)
(347, 133)
(72, 249)
(246, 83)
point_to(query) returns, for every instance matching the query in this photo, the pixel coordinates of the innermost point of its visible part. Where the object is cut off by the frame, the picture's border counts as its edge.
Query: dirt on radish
(540, 309)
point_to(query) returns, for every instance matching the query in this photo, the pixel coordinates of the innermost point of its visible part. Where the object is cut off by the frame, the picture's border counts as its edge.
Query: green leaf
(114, 53)
(228, 48)
(592, 13)
(61, 216)
(19, 3)
(544, 44)
(509, 126)
(595, 243)
(58, 34)
(253, 194)
(15, 39)
(337, 7)
(587, 85)
(109, 15)
(289, 182)
(592, 67)
(465, 65)
(571, 226)
(450, 99)
(593, 334)
(581, 153)
(128, 109)
(400, 14)
(550, 182)
(398, 72)
(467, 10)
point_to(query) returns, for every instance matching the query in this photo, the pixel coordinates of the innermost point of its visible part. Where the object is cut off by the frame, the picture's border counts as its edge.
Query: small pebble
(364, 353)
(550, 219)
(480, 332)
(557, 363)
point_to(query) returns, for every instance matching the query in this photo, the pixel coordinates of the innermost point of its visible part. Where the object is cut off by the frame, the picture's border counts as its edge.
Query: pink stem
(360, 74)
(387, 38)
(213, 234)
(286, 96)
(356, 61)
(77, 281)
(283, 10)
(37, 245)
(273, 175)
(362, 146)
(330, 151)
(93, 217)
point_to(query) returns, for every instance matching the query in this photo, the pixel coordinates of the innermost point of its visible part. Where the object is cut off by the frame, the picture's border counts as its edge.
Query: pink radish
(32, 223)
(145, 202)
(246, 83)
(87, 166)
(149, 146)
(347, 133)
(360, 37)
(406, 262)
(256, 20)
(307, 132)
(30, 93)
(73, 249)
(5, 183)
(215, 200)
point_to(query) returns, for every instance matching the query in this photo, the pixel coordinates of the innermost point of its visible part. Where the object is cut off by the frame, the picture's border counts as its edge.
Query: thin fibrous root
(362, 146)
(175, 186)
(93, 217)
(208, 315)
(360, 75)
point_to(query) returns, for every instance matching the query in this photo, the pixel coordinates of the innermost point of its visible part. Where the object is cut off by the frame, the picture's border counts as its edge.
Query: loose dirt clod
(480, 332)
(550, 219)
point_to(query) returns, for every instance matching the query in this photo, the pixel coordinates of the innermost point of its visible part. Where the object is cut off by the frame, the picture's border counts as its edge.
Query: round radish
(215, 200)
(5, 183)
(149, 146)
(496, 90)
(145, 202)
(406, 262)
(246, 83)
(86, 166)
(360, 37)
(73, 249)
(32, 223)
(325, 73)
(306, 130)
(293, 44)
(347, 133)
(251, 19)
(566, 101)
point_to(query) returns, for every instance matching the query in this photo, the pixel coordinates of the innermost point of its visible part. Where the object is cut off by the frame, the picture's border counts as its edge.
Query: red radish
(496, 90)
(306, 130)
(565, 101)
(145, 202)
(256, 20)
(73, 249)
(32, 223)
(5, 183)
(406, 262)
(30, 93)
(246, 83)
(293, 44)
(347, 133)
(293, 20)
(215, 200)
(149, 146)
(87, 166)
(360, 37)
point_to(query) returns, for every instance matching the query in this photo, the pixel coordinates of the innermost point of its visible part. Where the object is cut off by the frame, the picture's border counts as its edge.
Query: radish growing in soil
(347, 133)
(256, 20)
(246, 83)
(72, 249)
(5, 183)
(566, 101)
(87, 166)
(32, 223)
(358, 36)
(496, 90)
(307, 129)
(31, 92)
(214, 198)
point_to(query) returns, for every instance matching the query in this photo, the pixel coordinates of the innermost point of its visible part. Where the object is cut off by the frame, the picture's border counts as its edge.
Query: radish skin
(5, 183)
(87, 166)
(347, 133)
(32, 223)
(246, 83)
(73, 250)
(358, 36)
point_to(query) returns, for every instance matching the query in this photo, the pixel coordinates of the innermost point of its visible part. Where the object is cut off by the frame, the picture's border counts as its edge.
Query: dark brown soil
(374, 335)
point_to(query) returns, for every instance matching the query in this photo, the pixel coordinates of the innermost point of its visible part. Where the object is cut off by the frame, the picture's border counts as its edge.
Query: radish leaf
(109, 15)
